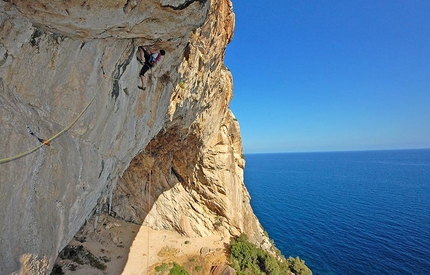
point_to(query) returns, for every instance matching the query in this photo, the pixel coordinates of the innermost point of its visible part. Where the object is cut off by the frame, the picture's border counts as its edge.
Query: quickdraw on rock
(41, 140)
(47, 141)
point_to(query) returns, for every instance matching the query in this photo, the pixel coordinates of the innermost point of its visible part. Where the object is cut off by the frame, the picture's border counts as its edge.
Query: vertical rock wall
(177, 137)
(195, 164)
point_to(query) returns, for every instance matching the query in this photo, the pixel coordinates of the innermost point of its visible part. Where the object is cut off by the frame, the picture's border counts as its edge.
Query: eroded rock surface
(176, 143)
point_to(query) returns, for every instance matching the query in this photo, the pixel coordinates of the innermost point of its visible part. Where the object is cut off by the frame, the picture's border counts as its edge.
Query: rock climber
(148, 60)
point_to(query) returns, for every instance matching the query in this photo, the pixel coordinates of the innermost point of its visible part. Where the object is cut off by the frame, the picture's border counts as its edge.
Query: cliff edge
(168, 157)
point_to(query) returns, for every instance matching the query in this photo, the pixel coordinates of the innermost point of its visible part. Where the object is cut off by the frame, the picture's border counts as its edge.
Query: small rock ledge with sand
(122, 247)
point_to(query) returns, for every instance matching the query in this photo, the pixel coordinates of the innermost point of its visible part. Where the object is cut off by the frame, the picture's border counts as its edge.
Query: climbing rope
(149, 205)
(46, 142)
(119, 79)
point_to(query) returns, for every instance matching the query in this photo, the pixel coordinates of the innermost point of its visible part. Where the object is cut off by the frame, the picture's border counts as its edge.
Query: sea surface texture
(346, 212)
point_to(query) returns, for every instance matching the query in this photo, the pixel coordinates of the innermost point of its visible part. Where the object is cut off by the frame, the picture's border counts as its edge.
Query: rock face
(169, 156)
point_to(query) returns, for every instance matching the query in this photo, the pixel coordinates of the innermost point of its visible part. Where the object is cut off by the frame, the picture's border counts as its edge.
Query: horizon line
(336, 151)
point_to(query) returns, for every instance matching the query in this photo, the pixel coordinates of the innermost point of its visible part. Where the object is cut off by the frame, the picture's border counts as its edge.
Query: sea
(362, 212)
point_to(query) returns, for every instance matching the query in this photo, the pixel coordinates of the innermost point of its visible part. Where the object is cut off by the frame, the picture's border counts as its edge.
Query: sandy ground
(130, 249)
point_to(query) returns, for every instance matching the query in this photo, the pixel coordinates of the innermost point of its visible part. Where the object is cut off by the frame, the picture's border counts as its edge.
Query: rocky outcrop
(169, 156)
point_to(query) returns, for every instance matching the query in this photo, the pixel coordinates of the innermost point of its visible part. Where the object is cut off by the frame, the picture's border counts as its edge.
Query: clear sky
(331, 75)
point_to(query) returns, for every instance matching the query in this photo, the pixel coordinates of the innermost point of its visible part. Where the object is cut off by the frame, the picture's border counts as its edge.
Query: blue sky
(331, 75)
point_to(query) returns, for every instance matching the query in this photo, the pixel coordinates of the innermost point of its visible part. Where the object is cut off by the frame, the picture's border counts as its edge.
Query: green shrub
(178, 270)
(162, 268)
(298, 266)
(247, 259)
(270, 264)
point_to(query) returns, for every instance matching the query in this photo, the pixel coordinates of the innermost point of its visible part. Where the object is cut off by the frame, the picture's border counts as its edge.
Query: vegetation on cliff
(173, 269)
(246, 258)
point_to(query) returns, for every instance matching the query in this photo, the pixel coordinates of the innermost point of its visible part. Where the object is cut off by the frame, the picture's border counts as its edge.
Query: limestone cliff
(177, 141)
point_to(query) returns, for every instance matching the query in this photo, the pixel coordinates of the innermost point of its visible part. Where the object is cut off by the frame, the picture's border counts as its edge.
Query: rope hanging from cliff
(47, 141)
(149, 206)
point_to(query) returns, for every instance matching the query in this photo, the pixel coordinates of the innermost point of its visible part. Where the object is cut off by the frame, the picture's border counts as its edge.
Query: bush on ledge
(248, 259)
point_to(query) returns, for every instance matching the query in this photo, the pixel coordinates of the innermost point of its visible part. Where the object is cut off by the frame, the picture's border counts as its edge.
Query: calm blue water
(346, 212)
